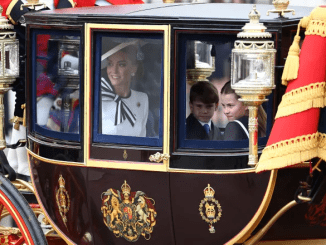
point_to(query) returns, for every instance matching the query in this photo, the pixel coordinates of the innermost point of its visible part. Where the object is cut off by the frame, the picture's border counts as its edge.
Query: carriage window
(213, 116)
(56, 77)
(128, 80)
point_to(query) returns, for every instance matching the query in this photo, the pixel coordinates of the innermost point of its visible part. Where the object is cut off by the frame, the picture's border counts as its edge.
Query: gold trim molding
(248, 229)
(47, 160)
(166, 30)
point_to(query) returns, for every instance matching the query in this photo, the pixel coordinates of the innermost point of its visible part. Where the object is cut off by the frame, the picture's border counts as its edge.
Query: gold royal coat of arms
(128, 214)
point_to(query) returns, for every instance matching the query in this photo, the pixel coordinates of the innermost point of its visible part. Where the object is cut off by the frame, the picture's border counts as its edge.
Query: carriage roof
(174, 12)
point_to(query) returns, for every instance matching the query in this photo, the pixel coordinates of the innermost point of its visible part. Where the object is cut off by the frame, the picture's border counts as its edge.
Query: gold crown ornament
(61, 181)
(281, 8)
(281, 4)
(125, 188)
(209, 192)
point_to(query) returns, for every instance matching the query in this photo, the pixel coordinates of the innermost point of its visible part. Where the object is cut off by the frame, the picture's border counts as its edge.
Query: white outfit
(137, 102)
(43, 107)
(17, 158)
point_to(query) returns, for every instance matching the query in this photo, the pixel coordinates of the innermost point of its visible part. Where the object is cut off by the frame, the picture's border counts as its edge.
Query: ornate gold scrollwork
(63, 200)
(159, 157)
(210, 203)
(22, 185)
(6, 231)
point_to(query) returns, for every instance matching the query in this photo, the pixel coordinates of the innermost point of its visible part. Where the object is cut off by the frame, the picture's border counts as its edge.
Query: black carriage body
(77, 173)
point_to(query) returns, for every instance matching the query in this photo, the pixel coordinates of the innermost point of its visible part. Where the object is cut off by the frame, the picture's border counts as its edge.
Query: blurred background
(308, 3)
(292, 2)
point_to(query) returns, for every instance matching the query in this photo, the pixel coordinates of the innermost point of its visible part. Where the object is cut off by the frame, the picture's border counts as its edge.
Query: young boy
(203, 103)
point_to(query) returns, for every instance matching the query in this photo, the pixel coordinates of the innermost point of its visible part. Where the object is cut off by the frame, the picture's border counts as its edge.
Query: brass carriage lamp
(9, 67)
(252, 75)
(201, 61)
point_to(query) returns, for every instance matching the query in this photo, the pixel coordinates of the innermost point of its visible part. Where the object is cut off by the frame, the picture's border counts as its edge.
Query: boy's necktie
(206, 127)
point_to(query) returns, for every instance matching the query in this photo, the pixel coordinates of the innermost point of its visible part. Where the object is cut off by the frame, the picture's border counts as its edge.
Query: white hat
(117, 48)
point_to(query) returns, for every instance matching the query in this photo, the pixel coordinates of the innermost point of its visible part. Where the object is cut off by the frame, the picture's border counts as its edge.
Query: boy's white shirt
(209, 123)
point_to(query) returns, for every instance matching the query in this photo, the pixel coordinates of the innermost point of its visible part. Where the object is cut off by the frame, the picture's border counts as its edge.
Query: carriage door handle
(159, 157)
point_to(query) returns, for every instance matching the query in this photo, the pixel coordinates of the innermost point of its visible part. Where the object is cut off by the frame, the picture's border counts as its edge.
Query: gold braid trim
(73, 3)
(322, 146)
(319, 13)
(9, 9)
(316, 27)
(301, 99)
(289, 152)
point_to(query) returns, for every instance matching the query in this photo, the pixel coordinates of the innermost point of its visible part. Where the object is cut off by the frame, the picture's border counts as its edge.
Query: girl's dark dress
(234, 131)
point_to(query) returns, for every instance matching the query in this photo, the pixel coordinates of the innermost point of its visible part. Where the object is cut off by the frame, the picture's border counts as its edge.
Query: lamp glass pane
(252, 69)
(68, 60)
(203, 58)
(11, 59)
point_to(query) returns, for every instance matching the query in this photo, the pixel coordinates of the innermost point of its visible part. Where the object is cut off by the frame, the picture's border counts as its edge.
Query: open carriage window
(56, 79)
(128, 75)
(211, 116)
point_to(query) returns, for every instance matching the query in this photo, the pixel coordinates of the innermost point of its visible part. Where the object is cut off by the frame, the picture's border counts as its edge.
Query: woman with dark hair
(237, 114)
(124, 111)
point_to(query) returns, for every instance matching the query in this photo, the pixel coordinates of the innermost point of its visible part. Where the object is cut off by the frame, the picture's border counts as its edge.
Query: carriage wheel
(29, 230)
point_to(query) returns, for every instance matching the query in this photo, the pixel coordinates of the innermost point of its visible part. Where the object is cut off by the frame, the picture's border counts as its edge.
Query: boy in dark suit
(203, 103)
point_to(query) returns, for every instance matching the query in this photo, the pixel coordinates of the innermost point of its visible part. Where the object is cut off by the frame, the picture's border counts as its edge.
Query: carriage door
(212, 186)
(124, 132)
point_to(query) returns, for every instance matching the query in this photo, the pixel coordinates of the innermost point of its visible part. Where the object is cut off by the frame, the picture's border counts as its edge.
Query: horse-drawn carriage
(147, 183)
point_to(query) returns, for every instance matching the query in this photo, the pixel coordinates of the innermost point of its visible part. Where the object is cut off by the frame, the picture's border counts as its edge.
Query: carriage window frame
(97, 35)
(35, 127)
(183, 142)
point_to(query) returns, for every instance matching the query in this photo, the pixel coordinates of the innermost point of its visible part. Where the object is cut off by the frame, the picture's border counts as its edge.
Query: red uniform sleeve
(5, 4)
(121, 2)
